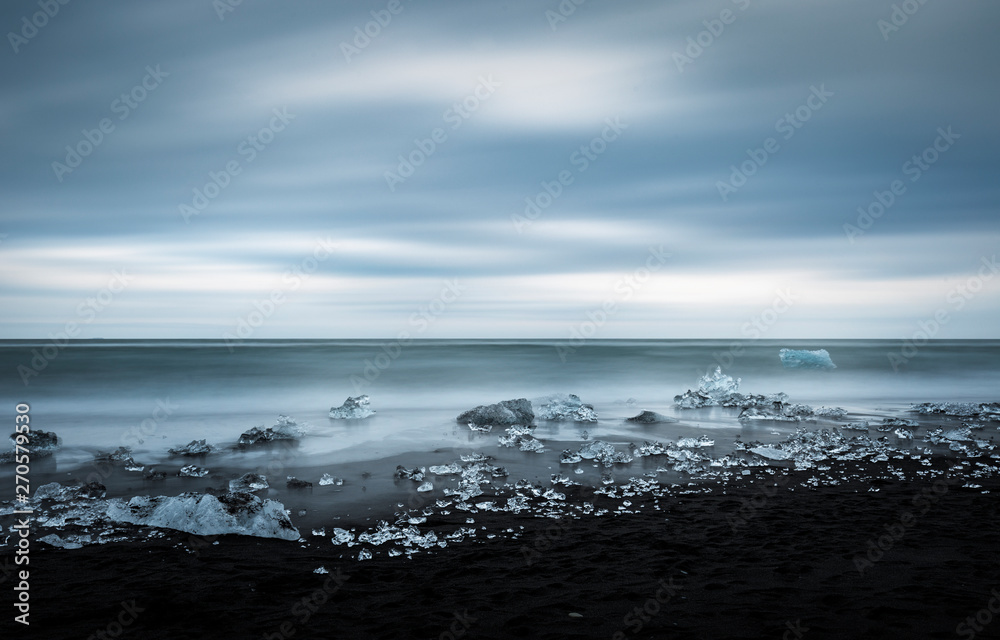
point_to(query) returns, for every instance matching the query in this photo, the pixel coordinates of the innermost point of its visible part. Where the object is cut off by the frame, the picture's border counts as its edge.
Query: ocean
(153, 395)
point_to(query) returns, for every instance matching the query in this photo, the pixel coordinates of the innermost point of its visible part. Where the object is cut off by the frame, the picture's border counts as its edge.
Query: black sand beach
(773, 557)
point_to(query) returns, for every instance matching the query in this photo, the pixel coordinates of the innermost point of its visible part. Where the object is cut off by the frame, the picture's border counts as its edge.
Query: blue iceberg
(798, 359)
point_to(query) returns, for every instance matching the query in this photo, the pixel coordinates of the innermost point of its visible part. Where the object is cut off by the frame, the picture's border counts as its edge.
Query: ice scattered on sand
(354, 408)
(802, 359)
(364, 554)
(327, 479)
(520, 437)
(249, 482)
(204, 514)
(604, 453)
(320, 570)
(193, 448)
(986, 410)
(565, 407)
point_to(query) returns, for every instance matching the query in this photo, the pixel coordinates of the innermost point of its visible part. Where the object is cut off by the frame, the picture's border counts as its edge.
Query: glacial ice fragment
(565, 407)
(204, 514)
(249, 482)
(353, 409)
(504, 413)
(327, 479)
(193, 448)
(802, 359)
(284, 429)
(193, 471)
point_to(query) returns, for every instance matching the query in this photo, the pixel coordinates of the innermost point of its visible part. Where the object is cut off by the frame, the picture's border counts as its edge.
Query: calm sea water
(98, 395)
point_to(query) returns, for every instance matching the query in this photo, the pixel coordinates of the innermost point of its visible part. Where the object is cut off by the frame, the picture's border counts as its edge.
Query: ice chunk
(320, 570)
(446, 469)
(989, 410)
(801, 359)
(425, 487)
(711, 389)
(69, 542)
(604, 453)
(830, 412)
(40, 443)
(521, 438)
(416, 473)
(238, 513)
(249, 482)
(650, 417)
(192, 471)
(692, 443)
(294, 483)
(342, 536)
(569, 457)
(55, 491)
(353, 409)
(504, 413)
(327, 479)
(284, 429)
(193, 448)
(856, 426)
(565, 407)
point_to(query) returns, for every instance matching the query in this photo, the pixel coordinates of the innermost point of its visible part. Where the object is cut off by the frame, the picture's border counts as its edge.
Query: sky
(661, 169)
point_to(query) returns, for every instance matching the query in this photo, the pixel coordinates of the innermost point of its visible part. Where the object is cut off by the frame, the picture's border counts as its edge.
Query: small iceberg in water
(353, 409)
(801, 359)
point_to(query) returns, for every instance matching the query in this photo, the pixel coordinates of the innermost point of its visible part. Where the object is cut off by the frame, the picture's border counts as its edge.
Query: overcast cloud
(823, 103)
